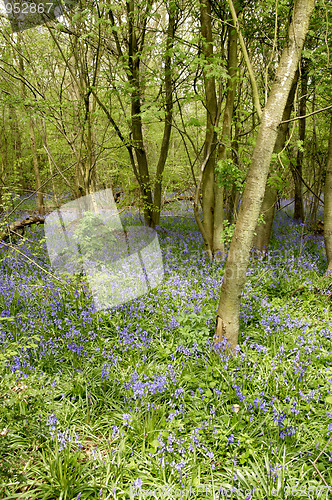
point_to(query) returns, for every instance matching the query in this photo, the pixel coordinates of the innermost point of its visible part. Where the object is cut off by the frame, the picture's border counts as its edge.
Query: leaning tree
(227, 323)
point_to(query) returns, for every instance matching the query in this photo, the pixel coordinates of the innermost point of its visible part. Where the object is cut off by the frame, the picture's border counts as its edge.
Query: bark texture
(227, 324)
(40, 198)
(297, 172)
(328, 205)
(136, 119)
(225, 142)
(168, 117)
(210, 144)
(214, 147)
(18, 226)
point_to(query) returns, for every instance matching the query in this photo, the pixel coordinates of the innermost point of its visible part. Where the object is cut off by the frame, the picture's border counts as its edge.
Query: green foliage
(91, 234)
(195, 122)
(194, 330)
(62, 473)
(261, 219)
(227, 233)
(275, 180)
(228, 174)
(8, 200)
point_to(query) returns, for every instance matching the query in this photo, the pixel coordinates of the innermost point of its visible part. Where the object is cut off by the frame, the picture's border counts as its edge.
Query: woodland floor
(137, 403)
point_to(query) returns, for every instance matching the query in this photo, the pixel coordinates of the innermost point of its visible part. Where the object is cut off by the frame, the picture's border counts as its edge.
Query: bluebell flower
(231, 439)
(104, 372)
(138, 483)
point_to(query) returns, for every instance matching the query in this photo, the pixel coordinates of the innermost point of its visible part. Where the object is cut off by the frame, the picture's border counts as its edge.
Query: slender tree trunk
(40, 198)
(232, 197)
(218, 223)
(298, 173)
(328, 205)
(317, 180)
(225, 142)
(90, 175)
(168, 118)
(130, 46)
(208, 188)
(212, 192)
(136, 119)
(227, 324)
(16, 134)
(263, 230)
(318, 190)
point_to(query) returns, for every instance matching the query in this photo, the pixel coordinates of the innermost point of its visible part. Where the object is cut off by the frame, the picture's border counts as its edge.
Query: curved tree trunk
(328, 205)
(227, 324)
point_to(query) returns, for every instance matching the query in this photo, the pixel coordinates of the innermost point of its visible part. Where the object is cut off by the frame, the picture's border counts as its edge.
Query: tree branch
(247, 60)
(306, 116)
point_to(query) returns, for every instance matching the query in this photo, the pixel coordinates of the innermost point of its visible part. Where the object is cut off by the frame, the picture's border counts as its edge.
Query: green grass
(94, 403)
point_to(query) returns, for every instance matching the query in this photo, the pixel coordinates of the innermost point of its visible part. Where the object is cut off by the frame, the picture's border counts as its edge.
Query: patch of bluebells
(127, 419)
(71, 331)
(63, 438)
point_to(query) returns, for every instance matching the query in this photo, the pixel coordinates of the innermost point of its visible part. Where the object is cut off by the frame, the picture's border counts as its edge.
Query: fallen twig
(18, 225)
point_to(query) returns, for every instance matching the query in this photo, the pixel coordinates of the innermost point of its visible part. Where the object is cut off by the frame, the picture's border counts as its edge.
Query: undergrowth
(137, 402)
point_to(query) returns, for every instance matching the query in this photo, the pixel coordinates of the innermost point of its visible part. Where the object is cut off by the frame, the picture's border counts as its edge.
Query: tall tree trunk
(208, 188)
(328, 205)
(40, 198)
(50, 166)
(263, 230)
(136, 119)
(225, 142)
(298, 172)
(232, 196)
(90, 175)
(130, 48)
(212, 192)
(227, 323)
(169, 115)
(317, 180)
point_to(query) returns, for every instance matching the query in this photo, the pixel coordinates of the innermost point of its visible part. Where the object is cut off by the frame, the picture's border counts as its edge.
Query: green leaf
(194, 122)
